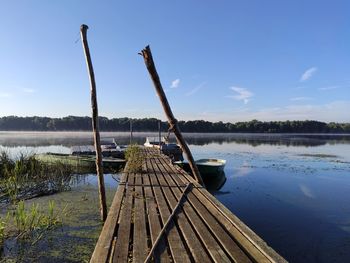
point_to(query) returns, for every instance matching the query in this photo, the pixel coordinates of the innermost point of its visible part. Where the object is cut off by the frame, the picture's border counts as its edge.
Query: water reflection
(215, 183)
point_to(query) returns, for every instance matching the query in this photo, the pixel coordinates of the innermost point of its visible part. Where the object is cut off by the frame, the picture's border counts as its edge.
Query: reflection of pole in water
(131, 139)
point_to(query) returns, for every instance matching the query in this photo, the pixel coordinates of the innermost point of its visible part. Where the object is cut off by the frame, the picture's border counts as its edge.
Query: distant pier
(200, 229)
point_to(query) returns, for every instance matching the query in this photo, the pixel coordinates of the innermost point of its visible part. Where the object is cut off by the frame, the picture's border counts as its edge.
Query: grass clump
(26, 177)
(134, 158)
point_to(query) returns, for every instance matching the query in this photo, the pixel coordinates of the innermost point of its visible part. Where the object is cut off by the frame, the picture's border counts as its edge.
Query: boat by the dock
(172, 150)
(81, 162)
(210, 166)
(107, 150)
(207, 167)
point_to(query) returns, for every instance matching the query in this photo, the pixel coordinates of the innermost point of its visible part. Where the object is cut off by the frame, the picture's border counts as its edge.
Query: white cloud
(308, 74)
(175, 83)
(195, 89)
(26, 90)
(300, 99)
(242, 94)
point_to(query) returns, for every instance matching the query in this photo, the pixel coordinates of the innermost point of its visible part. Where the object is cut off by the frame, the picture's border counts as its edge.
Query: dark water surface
(292, 190)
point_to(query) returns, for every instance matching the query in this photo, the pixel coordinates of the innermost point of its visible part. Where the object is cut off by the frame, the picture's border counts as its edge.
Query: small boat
(206, 167)
(210, 166)
(107, 149)
(152, 142)
(81, 162)
(172, 150)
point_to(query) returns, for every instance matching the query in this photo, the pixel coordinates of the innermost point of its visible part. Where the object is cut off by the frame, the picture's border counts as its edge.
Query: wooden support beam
(95, 126)
(147, 56)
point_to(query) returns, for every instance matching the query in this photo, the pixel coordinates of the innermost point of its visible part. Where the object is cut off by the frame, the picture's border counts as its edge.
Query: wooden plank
(177, 248)
(161, 253)
(231, 247)
(251, 243)
(104, 243)
(140, 248)
(203, 231)
(121, 251)
(211, 245)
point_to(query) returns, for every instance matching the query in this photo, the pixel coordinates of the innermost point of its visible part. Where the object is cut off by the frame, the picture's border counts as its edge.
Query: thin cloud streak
(300, 99)
(329, 88)
(195, 89)
(26, 90)
(5, 95)
(242, 94)
(308, 74)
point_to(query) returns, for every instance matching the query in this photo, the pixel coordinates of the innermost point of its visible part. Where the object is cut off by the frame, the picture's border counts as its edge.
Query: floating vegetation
(26, 177)
(134, 158)
(71, 239)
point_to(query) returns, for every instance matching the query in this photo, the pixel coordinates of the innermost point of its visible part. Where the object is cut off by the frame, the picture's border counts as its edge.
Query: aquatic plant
(135, 159)
(26, 221)
(26, 177)
(3, 225)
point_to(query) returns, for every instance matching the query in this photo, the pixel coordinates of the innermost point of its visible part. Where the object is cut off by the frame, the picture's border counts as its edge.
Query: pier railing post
(95, 126)
(147, 56)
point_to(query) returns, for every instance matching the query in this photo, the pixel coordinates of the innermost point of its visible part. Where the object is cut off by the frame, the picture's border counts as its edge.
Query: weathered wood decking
(203, 230)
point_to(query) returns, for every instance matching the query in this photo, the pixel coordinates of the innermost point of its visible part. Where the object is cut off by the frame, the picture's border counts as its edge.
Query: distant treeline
(75, 123)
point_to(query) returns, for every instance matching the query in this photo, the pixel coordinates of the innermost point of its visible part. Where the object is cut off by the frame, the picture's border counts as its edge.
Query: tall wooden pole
(160, 136)
(99, 167)
(147, 56)
(131, 131)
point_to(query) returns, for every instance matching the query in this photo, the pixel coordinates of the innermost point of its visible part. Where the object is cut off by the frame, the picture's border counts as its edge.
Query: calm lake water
(292, 190)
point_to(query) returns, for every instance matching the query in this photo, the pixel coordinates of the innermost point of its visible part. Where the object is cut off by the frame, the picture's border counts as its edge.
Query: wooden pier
(202, 230)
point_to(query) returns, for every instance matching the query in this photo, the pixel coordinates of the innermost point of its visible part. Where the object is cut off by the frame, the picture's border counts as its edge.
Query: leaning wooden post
(99, 167)
(147, 55)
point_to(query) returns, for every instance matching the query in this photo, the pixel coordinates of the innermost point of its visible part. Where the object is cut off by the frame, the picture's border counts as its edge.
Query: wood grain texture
(202, 230)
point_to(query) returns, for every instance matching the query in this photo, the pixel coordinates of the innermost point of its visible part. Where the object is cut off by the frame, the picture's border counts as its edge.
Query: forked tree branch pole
(147, 56)
(95, 126)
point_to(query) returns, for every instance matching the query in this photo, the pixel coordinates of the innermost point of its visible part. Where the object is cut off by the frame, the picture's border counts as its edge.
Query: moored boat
(172, 150)
(81, 162)
(107, 149)
(207, 167)
(210, 166)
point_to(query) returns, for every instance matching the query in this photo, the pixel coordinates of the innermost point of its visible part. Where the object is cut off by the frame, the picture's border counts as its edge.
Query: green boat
(206, 167)
(81, 162)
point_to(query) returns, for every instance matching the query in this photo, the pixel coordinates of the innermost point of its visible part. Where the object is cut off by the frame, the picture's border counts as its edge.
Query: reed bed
(26, 177)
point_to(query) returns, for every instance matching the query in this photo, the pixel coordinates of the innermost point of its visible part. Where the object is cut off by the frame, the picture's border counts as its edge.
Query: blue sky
(218, 60)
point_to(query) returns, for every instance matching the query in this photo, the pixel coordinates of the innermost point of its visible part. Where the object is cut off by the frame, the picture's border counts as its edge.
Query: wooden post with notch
(147, 56)
(95, 126)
